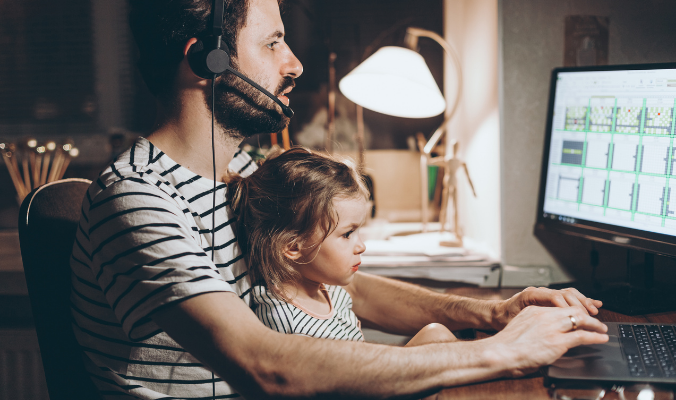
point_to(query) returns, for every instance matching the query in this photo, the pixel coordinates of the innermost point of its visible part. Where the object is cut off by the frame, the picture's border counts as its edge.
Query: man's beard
(243, 111)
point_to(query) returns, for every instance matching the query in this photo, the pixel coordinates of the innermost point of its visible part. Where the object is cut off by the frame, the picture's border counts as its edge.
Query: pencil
(13, 173)
(56, 165)
(45, 167)
(34, 161)
(26, 172)
(63, 167)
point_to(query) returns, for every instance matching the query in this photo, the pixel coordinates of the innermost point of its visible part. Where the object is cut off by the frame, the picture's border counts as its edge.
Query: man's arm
(220, 331)
(403, 308)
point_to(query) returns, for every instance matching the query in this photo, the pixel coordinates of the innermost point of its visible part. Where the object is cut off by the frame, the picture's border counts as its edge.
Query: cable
(213, 207)
(213, 161)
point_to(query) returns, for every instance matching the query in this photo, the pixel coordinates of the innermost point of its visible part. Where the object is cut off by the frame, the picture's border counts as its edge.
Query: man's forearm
(403, 308)
(260, 363)
(325, 368)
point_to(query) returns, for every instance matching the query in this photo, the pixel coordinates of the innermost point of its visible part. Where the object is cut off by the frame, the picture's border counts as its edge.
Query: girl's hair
(285, 202)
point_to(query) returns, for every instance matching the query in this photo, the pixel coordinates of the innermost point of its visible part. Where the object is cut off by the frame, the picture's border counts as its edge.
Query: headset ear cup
(197, 60)
(217, 61)
(210, 59)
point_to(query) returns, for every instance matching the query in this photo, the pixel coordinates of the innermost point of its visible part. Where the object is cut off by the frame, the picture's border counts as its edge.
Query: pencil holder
(31, 164)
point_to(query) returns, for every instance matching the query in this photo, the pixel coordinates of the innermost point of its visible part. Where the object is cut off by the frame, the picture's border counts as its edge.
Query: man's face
(264, 57)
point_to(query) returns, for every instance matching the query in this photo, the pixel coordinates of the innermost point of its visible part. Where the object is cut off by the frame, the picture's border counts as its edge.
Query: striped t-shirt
(144, 241)
(340, 323)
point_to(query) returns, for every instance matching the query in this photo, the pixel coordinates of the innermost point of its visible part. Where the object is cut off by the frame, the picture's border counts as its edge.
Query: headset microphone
(285, 109)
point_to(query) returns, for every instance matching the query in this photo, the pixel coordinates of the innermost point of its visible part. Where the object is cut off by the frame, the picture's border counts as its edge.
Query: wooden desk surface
(530, 387)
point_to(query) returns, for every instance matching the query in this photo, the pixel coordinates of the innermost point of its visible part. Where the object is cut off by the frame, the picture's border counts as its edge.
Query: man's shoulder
(139, 160)
(134, 174)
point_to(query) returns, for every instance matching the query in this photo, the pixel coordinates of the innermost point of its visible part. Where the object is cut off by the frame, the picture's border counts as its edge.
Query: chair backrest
(48, 221)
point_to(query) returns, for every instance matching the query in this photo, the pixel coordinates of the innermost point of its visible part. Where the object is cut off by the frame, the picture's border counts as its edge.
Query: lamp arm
(436, 136)
(412, 35)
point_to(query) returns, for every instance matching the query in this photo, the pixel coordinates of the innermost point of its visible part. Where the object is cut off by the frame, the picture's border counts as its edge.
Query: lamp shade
(394, 81)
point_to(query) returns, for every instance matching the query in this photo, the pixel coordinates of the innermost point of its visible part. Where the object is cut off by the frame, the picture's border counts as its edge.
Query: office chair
(48, 220)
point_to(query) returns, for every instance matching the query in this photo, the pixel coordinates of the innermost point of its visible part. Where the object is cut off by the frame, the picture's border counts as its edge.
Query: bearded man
(161, 305)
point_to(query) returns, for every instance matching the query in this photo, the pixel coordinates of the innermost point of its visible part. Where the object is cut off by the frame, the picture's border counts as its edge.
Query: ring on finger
(573, 321)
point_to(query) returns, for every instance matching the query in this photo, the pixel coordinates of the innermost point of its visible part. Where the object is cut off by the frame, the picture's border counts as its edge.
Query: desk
(531, 387)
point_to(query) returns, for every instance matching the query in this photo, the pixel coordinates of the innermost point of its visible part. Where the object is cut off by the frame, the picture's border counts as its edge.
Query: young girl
(298, 220)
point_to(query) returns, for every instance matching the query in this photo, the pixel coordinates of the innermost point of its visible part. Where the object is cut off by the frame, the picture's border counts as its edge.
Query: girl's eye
(271, 45)
(347, 235)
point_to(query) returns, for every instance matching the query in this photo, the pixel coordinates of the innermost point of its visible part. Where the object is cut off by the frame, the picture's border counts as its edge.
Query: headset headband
(217, 21)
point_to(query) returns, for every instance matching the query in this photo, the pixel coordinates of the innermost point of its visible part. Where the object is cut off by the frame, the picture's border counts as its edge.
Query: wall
(471, 26)
(531, 45)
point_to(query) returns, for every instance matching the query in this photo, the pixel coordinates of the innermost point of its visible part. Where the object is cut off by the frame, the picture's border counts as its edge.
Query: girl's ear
(292, 251)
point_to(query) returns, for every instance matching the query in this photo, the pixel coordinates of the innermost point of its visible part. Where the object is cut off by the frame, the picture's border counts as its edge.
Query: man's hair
(285, 202)
(161, 29)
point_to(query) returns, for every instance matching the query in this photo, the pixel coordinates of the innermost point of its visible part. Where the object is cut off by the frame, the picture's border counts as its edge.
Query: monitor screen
(608, 165)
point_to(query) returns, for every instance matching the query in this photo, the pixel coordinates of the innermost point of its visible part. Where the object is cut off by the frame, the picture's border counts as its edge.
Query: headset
(208, 58)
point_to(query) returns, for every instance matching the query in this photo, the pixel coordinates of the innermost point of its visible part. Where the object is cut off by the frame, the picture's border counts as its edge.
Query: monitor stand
(637, 295)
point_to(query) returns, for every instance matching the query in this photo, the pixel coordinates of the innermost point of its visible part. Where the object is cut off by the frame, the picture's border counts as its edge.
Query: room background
(67, 71)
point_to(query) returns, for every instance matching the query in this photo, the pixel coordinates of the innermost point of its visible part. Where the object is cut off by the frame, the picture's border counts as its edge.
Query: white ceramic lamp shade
(394, 81)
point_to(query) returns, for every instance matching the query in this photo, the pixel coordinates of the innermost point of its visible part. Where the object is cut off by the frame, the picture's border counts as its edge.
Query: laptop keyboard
(650, 349)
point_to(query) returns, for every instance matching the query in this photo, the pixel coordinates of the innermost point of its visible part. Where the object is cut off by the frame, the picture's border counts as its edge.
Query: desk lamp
(396, 81)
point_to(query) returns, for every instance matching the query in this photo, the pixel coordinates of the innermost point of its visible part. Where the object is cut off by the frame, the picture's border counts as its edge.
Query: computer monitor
(609, 162)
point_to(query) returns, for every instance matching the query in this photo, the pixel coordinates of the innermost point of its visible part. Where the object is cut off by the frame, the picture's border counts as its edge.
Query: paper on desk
(476, 275)
(421, 256)
(368, 260)
(422, 244)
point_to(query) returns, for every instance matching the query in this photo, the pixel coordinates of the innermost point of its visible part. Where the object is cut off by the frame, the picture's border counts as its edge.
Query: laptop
(635, 353)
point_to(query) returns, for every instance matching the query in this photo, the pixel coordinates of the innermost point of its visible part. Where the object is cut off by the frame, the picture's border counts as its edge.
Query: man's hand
(539, 336)
(506, 310)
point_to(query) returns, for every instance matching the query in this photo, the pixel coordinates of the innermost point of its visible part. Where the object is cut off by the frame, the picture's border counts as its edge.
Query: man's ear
(189, 76)
(187, 46)
(292, 251)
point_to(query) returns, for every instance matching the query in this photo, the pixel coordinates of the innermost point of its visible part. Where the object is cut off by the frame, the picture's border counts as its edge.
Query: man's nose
(292, 66)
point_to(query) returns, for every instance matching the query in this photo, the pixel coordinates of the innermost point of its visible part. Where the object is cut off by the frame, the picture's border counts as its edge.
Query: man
(155, 316)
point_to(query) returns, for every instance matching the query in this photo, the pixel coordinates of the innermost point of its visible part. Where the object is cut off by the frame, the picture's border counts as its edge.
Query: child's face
(339, 255)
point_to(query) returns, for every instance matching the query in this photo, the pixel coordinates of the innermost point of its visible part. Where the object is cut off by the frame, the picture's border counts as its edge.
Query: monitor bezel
(652, 242)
